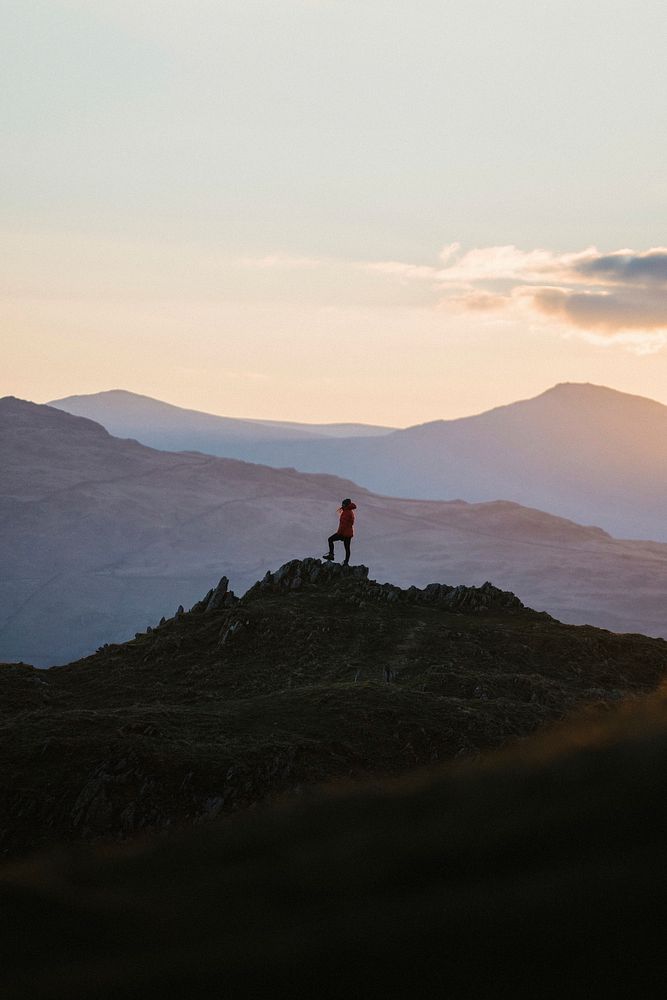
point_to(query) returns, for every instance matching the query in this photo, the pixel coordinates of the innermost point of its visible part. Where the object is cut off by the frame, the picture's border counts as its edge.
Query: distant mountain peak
(122, 393)
(114, 395)
(170, 427)
(23, 415)
(585, 390)
(578, 387)
(15, 403)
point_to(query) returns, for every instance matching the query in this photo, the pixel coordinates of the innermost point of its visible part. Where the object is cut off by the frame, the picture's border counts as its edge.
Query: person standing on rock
(345, 531)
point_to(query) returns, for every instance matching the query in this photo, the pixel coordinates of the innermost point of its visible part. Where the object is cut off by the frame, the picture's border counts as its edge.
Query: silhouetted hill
(533, 873)
(174, 428)
(315, 674)
(100, 537)
(581, 451)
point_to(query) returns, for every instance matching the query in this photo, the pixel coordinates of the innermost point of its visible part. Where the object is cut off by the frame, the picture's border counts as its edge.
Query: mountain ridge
(578, 450)
(125, 410)
(584, 390)
(101, 535)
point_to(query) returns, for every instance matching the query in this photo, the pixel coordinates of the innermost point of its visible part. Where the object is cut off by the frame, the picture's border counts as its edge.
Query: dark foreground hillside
(538, 874)
(316, 674)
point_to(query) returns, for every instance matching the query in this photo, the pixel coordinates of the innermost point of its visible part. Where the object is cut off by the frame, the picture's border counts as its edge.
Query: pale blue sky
(238, 155)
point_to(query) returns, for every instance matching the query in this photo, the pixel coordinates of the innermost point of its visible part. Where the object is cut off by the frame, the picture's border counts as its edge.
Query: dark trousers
(340, 538)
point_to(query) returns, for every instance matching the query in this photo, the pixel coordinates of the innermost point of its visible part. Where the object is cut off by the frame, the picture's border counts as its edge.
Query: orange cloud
(477, 301)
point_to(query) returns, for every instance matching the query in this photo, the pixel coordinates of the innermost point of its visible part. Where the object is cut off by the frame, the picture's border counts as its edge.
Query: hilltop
(316, 674)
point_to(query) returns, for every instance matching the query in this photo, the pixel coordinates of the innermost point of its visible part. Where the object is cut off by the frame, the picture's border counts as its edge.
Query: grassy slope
(292, 685)
(534, 874)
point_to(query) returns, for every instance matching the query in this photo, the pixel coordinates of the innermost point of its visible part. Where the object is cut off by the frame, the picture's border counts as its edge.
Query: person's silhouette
(345, 530)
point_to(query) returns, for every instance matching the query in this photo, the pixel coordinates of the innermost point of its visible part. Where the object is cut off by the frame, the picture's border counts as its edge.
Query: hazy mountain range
(101, 537)
(173, 428)
(581, 451)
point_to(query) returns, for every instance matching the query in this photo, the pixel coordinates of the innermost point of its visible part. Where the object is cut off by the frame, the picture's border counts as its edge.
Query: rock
(299, 574)
(229, 631)
(217, 598)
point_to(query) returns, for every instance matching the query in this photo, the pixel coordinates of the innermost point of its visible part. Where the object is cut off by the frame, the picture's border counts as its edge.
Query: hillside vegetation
(316, 674)
(536, 873)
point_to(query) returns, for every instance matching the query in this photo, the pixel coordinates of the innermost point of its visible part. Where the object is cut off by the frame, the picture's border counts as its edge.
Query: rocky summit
(301, 573)
(316, 674)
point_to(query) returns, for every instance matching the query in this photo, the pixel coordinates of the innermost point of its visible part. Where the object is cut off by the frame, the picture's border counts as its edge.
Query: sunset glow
(309, 211)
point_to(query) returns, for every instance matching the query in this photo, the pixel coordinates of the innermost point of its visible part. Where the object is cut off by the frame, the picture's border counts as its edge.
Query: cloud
(627, 267)
(501, 263)
(477, 301)
(607, 294)
(609, 311)
(399, 269)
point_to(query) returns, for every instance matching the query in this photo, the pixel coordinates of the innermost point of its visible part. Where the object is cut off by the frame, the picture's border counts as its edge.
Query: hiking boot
(329, 557)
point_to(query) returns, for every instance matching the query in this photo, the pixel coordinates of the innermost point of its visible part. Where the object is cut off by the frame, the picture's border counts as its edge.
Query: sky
(388, 211)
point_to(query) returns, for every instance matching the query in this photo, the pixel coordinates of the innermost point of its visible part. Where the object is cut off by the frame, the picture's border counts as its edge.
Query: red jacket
(345, 525)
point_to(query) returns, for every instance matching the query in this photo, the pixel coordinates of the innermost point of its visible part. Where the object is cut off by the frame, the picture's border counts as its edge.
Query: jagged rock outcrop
(216, 599)
(302, 573)
(308, 572)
